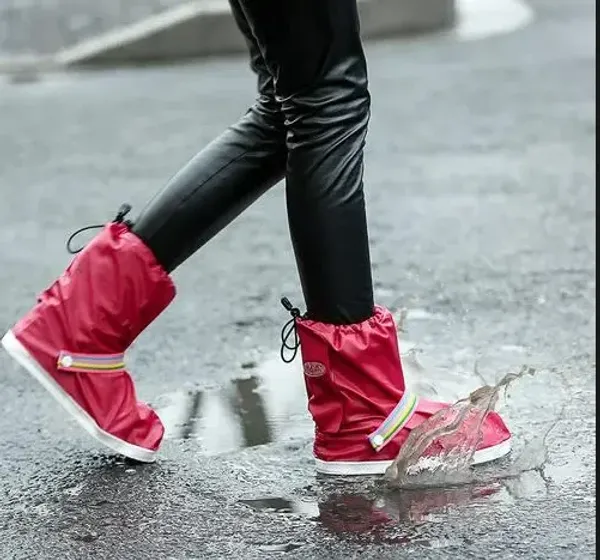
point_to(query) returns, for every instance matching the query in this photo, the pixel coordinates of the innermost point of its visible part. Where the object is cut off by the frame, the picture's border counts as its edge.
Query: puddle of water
(286, 547)
(250, 411)
(279, 505)
(378, 514)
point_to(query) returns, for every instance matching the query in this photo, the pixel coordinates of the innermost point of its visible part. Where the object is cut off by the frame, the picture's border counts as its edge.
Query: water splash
(411, 469)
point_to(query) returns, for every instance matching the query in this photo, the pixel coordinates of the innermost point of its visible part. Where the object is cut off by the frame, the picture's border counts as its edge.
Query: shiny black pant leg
(223, 179)
(313, 49)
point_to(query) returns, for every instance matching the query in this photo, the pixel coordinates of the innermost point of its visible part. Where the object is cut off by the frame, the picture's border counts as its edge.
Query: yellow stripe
(88, 366)
(402, 419)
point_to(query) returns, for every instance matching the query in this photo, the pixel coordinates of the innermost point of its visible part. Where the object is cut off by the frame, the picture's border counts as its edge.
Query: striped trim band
(86, 363)
(396, 420)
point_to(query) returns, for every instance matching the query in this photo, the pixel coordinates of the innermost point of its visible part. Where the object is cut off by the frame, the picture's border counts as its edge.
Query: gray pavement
(46, 26)
(481, 197)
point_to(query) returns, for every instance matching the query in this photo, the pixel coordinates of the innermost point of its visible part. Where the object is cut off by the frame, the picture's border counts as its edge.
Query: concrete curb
(205, 27)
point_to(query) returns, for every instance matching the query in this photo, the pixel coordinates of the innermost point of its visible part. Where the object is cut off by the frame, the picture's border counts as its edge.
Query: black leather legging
(308, 124)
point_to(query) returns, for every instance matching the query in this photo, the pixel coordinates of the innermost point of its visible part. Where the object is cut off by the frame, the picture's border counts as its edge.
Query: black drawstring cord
(288, 329)
(123, 211)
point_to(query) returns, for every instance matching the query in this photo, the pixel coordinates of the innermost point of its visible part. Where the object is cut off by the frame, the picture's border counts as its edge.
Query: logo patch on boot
(314, 369)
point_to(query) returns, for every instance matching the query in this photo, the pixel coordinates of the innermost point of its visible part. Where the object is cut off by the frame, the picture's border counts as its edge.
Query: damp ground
(481, 182)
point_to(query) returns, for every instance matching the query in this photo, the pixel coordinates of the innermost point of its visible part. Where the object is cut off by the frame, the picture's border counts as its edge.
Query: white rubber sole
(364, 468)
(20, 354)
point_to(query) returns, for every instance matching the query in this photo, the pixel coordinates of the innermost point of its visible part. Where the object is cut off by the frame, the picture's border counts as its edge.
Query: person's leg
(314, 50)
(73, 341)
(223, 179)
(349, 346)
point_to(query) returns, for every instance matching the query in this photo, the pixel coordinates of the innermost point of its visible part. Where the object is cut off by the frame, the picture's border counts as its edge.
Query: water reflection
(249, 407)
(247, 412)
(283, 506)
(188, 428)
(393, 517)
(384, 517)
(367, 511)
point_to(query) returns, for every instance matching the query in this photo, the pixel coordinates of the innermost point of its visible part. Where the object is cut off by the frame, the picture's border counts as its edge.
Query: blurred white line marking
(478, 19)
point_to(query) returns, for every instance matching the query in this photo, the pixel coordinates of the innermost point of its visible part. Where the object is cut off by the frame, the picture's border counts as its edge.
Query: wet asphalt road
(481, 199)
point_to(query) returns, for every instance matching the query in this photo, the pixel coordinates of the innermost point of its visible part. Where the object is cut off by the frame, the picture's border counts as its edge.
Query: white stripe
(365, 468)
